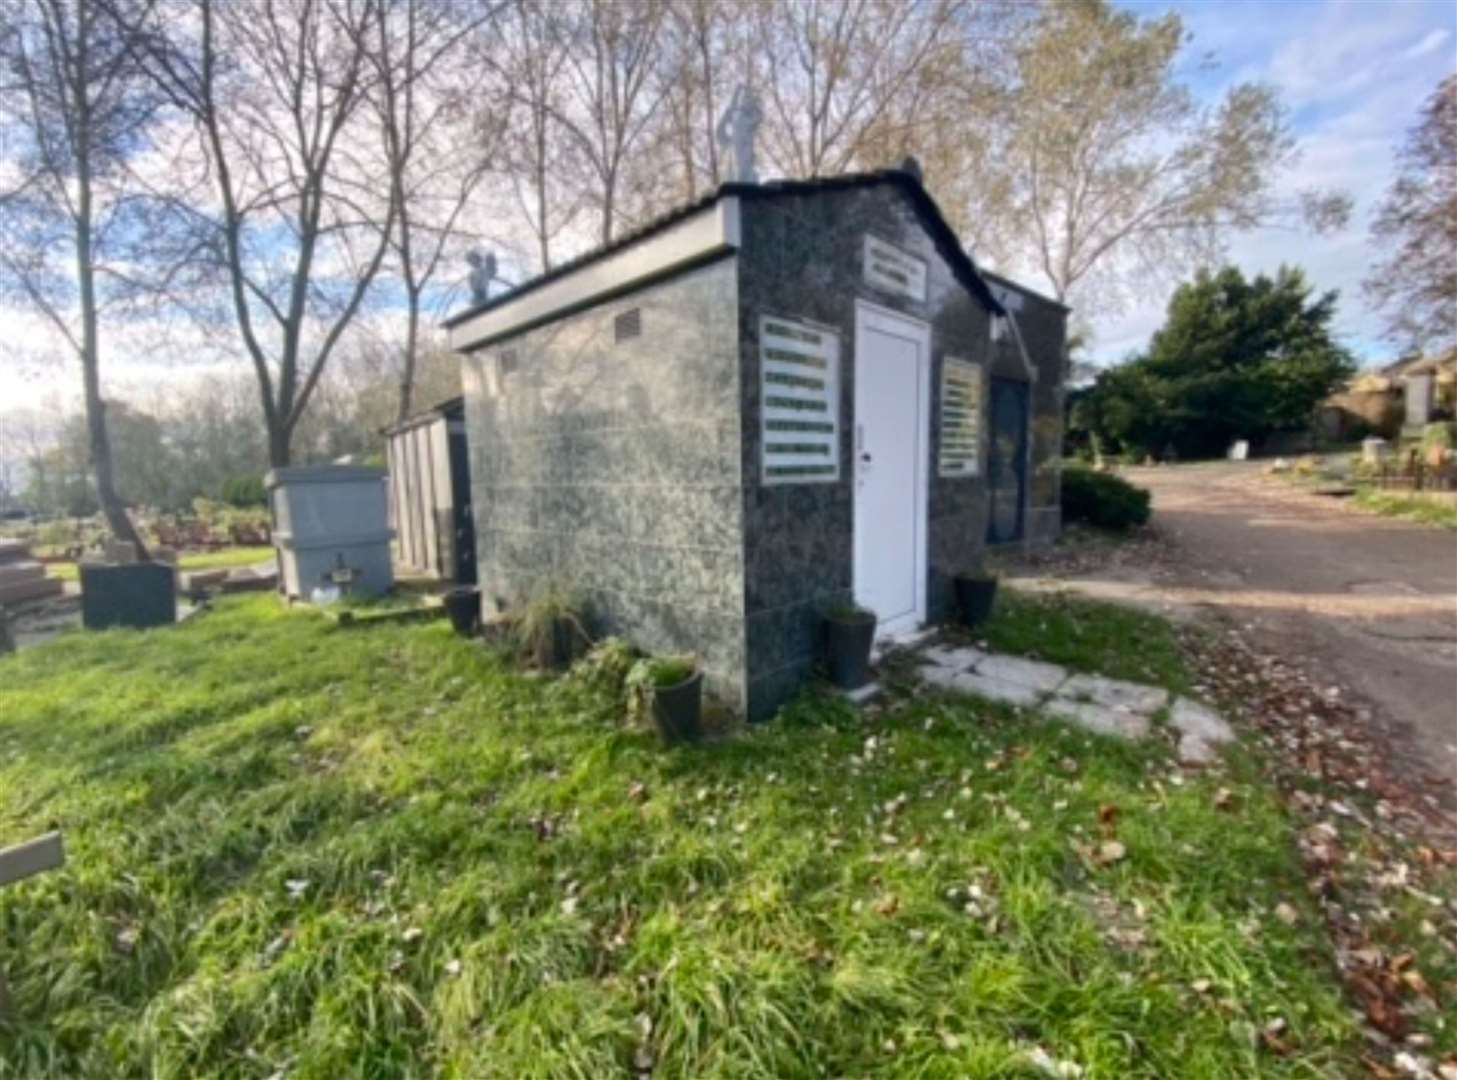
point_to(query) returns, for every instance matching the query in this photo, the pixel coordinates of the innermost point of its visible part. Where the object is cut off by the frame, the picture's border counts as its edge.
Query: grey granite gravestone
(136, 595)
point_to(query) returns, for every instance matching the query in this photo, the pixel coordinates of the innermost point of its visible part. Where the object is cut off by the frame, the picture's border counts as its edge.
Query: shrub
(606, 665)
(1103, 500)
(1439, 434)
(244, 491)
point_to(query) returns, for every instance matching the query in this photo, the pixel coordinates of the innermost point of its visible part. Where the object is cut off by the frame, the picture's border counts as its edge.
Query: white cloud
(1427, 45)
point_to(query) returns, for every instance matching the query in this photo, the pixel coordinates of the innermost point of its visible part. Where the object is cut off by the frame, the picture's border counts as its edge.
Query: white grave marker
(22, 861)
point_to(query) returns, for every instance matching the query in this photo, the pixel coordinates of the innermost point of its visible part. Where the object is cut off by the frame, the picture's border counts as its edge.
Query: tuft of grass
(1411, 507)
(385, 852)
(1086, 635)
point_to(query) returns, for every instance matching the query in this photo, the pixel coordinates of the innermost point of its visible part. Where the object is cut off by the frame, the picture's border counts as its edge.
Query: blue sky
(1354, 74)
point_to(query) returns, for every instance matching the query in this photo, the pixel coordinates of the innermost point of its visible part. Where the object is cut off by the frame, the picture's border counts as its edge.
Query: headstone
(13, 551)
(1239, 450)
(1373, 450)
(135, 595)
(1418, 399)
(26, 580)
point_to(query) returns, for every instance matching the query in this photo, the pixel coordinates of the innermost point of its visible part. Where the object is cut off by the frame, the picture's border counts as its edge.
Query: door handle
(864, 457)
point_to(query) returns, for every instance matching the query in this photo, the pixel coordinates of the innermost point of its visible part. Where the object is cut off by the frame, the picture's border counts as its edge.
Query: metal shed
(429, 494)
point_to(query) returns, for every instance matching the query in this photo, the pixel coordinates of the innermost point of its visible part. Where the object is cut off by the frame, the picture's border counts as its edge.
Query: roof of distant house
(929, 214)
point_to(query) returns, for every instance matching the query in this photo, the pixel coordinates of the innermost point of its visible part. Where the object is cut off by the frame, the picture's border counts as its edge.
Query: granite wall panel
(613, 467)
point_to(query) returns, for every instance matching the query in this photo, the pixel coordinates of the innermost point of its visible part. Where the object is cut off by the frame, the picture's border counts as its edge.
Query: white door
(892, 402)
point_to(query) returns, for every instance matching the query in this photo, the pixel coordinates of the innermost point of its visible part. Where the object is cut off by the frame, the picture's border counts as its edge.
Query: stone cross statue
(736, 129)
(482, 273)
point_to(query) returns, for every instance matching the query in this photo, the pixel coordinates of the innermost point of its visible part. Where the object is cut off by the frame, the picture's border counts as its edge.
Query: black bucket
(678, 710)
(975, 596)
(463, 605)
(847, 650)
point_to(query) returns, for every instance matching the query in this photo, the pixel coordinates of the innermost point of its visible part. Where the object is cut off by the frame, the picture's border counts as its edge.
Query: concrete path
(1360, 601)
(1103, 706)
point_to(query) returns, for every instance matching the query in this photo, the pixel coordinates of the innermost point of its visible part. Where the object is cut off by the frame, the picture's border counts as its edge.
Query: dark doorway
(1007, 460)
(464, 524)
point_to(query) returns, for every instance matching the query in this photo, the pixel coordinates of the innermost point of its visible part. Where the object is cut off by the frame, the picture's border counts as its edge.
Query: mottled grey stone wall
(801, 258)
(615, 467)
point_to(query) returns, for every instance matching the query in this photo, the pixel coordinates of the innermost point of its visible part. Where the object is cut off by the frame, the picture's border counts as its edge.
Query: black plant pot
(847, 650)
(567, 644)
(974, 596)
(463, 605)
(678, 710)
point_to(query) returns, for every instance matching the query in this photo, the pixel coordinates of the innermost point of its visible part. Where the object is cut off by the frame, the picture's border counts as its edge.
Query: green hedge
(1102, 499)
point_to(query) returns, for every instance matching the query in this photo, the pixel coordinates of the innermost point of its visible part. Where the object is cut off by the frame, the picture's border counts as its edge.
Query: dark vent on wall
(628, 325)
(508, 362)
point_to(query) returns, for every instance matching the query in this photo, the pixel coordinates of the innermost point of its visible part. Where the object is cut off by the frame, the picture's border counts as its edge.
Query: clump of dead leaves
(1371, 835)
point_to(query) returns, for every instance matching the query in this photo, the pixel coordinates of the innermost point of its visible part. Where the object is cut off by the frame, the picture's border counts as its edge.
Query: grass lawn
(304, 852)
(1085, 635)
(1411, 507)
(223, 558)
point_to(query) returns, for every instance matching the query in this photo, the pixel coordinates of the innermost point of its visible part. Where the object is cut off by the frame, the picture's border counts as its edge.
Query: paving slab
(1033, 674)
(1201, 731)
(1001, 691)
(862, 695)
(1115, 693)
(958, 658)
(939, 676)
(1099, 719)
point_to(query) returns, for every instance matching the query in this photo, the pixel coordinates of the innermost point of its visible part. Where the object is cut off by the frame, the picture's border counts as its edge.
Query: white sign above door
(895, 271)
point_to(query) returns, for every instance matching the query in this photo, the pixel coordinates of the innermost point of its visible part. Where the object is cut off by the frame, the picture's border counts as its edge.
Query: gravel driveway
(1365, 603)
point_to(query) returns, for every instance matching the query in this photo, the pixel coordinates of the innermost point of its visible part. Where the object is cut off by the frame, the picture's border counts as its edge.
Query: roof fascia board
(711, 231)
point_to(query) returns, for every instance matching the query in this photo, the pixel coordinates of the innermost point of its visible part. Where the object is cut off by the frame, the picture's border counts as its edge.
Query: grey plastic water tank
(330, 526)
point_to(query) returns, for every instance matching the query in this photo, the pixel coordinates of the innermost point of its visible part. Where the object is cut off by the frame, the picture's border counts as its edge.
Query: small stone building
(782, 396)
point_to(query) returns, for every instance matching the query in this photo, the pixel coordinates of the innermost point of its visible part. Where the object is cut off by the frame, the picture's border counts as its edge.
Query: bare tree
(438, 142)
(1110, 165)
(614, 88)
(835, 71)
(701, 50)
(528, 62)
(79, 114)
(1417, 284)
(279, 92)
